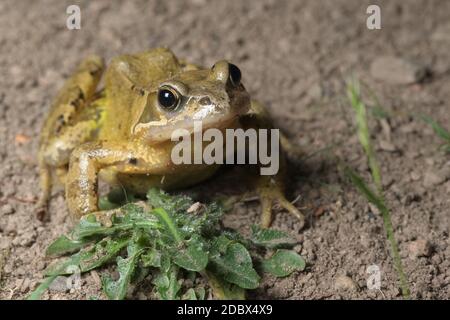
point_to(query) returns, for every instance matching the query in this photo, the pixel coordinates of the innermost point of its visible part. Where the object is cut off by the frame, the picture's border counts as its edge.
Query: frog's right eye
(168, 98)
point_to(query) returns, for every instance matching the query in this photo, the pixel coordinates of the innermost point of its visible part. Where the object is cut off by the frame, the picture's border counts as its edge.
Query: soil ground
(295, 57)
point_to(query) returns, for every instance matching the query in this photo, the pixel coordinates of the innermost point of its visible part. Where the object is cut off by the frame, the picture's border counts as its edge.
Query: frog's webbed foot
(271, 193)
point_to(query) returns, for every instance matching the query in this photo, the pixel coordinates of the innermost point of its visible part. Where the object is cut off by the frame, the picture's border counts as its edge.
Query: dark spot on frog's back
(95, 71)
(140, 91)
(78, 101)
(205, 101)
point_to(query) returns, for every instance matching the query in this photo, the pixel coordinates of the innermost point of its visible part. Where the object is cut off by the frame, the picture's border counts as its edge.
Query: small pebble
(345, 283)
(7, 209)
(441, 34)
(387, 146)
(433, 178)
(396, 70)
(415, 176)
(96, 278)
(25, 285)
(142, 296)
(419, 248)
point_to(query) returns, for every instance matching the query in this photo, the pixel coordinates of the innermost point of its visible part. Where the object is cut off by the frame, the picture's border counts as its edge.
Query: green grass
(440, 131)
(162, 239)
(376, 196)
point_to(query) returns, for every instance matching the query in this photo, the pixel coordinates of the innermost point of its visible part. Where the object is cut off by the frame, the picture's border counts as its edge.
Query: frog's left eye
(168, 98)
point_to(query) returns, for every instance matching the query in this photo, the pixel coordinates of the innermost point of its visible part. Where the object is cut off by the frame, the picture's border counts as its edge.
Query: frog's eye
(235, 74)
(168, 98)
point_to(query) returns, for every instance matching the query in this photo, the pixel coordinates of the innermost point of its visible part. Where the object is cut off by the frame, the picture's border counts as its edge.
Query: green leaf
(200, 293)
(283, 263)
(189, 295)
(39, 291)
(168, 223)
(152, 258)
(173, 204)
(117, 290)
(219, 245)
(64, 245)
(134, 218)
(103, 252)
(167, 284)
(61, 268)
(235, 266)
(271, 238)
(224, 290)
(90, 258)
(52, 272)
(193, 257)
(87, 227)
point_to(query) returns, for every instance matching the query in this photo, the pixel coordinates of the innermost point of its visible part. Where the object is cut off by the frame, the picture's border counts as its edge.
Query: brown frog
(122, 133)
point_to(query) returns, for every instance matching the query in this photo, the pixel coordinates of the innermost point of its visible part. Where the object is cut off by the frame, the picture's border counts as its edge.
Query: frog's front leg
(271, 188)
(88, 159)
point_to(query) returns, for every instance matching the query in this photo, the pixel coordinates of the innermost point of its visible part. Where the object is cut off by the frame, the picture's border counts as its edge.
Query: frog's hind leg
(271, 188)
(76, 94)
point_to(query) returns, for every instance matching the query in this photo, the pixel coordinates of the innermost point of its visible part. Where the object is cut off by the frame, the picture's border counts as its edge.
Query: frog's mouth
(155, 132)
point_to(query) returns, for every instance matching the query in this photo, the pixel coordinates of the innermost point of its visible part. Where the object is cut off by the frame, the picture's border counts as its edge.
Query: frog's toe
(104, 216)
(41, 210)
(275, 196)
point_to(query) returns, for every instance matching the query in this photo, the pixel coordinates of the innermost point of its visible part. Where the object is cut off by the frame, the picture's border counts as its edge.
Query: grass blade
(377, 198)
(440, 131)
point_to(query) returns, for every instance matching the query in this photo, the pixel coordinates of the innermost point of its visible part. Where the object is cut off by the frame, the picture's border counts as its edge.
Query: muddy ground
(295, 57)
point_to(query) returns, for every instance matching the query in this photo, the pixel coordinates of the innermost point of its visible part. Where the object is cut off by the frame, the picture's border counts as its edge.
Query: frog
(114, 124)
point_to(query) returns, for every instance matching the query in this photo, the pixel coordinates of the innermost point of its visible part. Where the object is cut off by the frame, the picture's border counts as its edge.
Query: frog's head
(215, 96)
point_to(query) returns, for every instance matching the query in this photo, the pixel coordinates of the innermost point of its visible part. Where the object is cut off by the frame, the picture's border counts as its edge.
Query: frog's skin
(122, 133)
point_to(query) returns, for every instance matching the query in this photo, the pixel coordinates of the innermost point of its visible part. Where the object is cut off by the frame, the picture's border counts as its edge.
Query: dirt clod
(343, 282)
(7, 209)
(396, 70)
(433, 178)
(419, 248)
